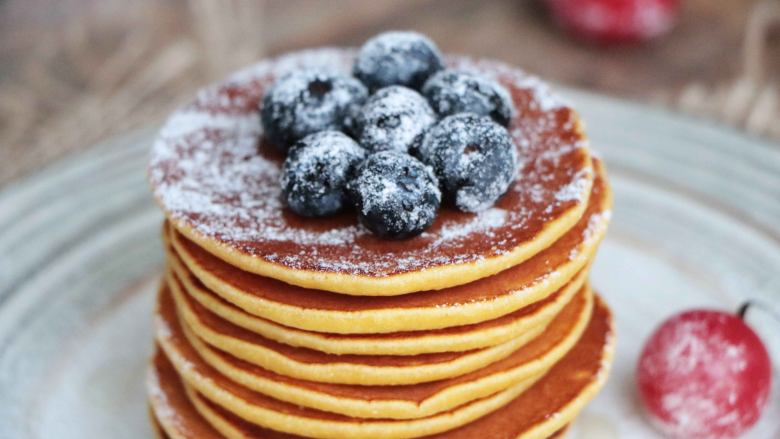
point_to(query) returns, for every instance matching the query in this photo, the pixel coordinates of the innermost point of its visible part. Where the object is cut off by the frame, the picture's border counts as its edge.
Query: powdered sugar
(543, 98)
(483, 222)
(393, 118)
(163, 407)
(573, 190)
(184, 123)
(210, 171)
(596, 222)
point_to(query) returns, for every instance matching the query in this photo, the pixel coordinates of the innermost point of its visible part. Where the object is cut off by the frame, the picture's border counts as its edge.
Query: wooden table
(75, 72)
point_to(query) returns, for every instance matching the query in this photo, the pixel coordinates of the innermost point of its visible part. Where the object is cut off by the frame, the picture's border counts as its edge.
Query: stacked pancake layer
(269, 325)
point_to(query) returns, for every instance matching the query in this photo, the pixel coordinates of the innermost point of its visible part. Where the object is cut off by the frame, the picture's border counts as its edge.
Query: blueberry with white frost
(315, 174)
(396, 196)
(397, 58)
(474, 158)
(393, 118)
(452, 91)
(307, 101)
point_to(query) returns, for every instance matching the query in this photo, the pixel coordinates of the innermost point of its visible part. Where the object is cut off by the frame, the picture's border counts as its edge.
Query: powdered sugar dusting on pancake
(211, 173)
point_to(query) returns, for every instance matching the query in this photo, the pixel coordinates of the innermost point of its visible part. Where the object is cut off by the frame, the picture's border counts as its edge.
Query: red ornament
(704, 374)
(615, 21)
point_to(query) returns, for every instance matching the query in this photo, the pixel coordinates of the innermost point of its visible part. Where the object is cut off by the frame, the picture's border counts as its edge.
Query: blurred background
(75, 72)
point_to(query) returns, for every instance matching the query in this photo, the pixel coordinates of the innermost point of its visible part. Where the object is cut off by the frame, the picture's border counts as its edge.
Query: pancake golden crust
(560, 434)
(482, 300)
(560, 396)
(157, 429)
(317, 424)
(183, 420)
(312, 365)
(540, 411)
(528, 321)
(171, 408)
(392, 402)
(218, 191)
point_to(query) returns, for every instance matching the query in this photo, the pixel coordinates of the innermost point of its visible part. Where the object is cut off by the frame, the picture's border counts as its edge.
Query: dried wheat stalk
(751, 101)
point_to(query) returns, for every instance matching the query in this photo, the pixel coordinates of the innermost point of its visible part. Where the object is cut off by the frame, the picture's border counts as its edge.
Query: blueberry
(307, 101)
(315, 174)
(396, 195)
(393, 118)
(450, 92)
(474, 158)
(397, 58)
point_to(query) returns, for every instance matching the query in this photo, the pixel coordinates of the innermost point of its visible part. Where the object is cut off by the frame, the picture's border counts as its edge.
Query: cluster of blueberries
(395, 140)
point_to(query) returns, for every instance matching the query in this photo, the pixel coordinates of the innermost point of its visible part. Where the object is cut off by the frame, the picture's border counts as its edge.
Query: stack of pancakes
(272, 325)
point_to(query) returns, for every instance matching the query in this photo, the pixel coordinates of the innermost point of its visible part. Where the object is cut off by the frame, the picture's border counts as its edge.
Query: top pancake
(218, 184)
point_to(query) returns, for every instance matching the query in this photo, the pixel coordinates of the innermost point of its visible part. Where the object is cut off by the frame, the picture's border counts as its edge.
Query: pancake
(528, 321)
(172, 410)
(218, 185)
(157, 429)
(307, 364)
(559, 397)
(175, 414)
(276, 415)
(479, 301)
(560, 434)
(198, 362)
(540, 411)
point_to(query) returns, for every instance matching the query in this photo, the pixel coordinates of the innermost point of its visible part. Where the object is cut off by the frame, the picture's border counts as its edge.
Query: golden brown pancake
(527, 321)
(317, 366)
(218, 185)
(540, 411)
(286, 417)
(194, 357)
(168, 401)
(157, 429)
(560, 434)
(171, 407)
(475, 302)
(557, 398)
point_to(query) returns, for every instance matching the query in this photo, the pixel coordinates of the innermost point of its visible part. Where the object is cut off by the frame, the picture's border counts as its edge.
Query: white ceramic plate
(697, 223)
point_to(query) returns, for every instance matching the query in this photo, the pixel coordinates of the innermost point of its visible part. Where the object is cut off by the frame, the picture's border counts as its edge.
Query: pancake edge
(362, 374)
(565, 415)
(317, 428)
(391, 409)
(412, 345)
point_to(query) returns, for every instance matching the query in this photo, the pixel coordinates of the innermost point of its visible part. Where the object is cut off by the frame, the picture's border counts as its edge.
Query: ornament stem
(766, 307)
